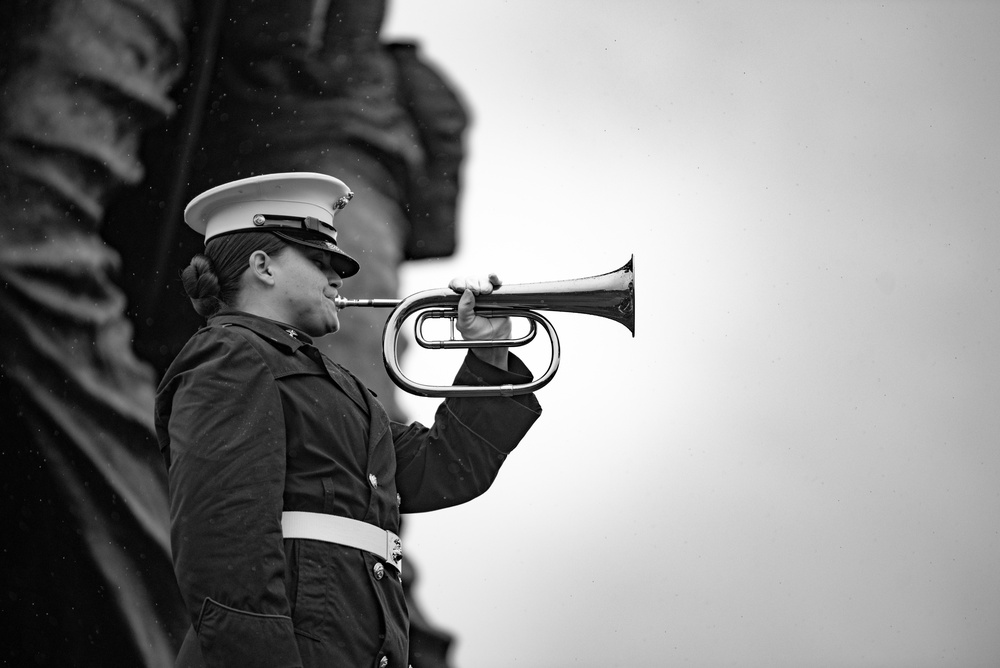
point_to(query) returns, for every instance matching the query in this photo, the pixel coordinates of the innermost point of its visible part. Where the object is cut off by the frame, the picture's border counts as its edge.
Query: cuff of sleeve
(477, 372)
(231, 637)
(500, 421)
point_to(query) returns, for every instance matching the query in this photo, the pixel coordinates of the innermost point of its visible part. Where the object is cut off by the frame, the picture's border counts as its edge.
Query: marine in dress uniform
(286, 476)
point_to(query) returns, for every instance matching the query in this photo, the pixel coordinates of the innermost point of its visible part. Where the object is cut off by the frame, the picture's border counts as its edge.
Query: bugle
(610, 295)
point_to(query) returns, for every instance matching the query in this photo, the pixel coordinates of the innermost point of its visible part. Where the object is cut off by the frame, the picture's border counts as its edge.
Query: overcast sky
(795, 461)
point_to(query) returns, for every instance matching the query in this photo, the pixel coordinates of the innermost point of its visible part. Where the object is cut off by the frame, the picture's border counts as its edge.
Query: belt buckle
(394, 550)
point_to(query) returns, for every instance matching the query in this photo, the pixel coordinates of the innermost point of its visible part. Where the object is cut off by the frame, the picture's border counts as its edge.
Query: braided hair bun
(212, 280)
(202, 286)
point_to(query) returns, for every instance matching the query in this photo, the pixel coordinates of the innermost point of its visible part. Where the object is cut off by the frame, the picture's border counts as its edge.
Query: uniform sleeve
(458, 458)
(226, 477)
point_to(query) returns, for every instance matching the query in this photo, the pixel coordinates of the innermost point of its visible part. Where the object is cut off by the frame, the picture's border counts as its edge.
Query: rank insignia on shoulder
(292, 333)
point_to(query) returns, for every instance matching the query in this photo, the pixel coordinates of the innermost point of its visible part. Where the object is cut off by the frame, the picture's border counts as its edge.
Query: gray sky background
(795, 461)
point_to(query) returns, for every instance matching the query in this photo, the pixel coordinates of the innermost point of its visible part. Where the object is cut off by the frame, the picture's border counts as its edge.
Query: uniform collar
(290, 340)
(279, 333)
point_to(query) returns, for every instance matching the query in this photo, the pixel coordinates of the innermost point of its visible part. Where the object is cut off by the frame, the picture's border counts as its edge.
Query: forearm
(229, 562)
(459, 457)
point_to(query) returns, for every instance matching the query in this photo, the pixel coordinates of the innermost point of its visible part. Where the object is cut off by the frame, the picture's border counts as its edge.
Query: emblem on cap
(342, 202)
(259, 219)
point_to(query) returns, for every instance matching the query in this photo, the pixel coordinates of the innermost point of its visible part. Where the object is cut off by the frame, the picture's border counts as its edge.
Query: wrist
(494, 356)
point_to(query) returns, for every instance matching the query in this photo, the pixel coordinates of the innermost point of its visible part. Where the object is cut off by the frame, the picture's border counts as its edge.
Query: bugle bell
(610, 295)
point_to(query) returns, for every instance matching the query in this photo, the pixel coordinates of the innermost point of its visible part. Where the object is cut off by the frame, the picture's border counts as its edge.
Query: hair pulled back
(212, 279)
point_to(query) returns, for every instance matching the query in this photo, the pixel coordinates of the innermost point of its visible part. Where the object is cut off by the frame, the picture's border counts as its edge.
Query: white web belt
(386, 545)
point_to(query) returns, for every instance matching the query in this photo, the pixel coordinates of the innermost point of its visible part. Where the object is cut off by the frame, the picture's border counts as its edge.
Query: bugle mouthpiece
(342, 302)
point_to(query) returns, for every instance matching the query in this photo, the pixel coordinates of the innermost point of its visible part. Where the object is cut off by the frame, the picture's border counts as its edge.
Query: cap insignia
(342, 202)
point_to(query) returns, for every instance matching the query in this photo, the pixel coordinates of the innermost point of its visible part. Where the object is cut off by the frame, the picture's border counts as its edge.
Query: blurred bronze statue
(113, 114)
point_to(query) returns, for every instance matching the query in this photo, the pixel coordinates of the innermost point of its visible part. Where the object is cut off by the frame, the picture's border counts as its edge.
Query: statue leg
(88, 568)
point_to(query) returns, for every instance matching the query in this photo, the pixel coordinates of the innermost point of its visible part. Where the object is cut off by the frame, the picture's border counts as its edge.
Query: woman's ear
(261, 267)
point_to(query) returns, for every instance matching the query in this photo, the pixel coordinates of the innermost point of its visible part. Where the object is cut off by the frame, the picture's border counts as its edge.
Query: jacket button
(379, 571)
(383, 662)
(372, 480)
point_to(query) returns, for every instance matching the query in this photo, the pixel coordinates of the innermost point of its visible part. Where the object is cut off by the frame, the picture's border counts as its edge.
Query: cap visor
(345, 265)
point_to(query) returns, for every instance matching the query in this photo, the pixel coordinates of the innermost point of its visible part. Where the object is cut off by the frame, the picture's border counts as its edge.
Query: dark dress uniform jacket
(253, 420)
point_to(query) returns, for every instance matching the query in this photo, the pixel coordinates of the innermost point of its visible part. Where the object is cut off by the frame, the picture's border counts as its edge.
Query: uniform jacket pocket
(232, 637)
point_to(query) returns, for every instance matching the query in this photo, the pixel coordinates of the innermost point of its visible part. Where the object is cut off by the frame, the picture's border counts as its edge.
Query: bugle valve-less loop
(452, 343)
(610, 295)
